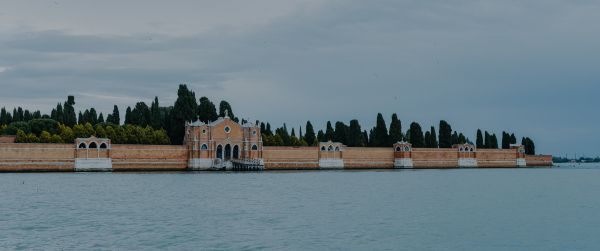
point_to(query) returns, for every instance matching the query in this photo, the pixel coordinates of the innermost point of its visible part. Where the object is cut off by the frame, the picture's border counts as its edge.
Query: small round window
(254, 132)
(203, 131)
(227, 129)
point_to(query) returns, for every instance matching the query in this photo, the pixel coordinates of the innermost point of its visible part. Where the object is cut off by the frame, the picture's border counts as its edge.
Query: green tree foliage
(487, 140)
(39, 125)
(493, 141)
(329, 132)
(207, 112)
(45, 137)
(156, 119)
(445, 135)
(225, 106)
(529, 145)
(341, 130)
(416, 135)
(321, 136)
(433, 138)
(355, 135)
(183, 111)
(479, 139)
(309, 136)
(395, 130)
(115, 117)
(69, 116)
(380, 133)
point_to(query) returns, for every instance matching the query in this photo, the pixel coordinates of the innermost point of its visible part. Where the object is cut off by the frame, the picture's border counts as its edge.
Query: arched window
(219, 152)
(228, 151)
(82, 145)
(330, 148)
(103, 145)
(323, 148)
(337, 148)
(254, 147)
(472, 149)
(461, 149)
(93, 145)
(203, 147)
(397, 149)
(406, 149)
(236, 152)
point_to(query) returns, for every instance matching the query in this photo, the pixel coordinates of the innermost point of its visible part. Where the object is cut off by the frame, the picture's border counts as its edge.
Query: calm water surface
(461, 209)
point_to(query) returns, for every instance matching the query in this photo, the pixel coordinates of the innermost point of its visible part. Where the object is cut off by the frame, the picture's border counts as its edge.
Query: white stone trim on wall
(200, 164)
(403, 163)
(521, 162)
(93, 164)
(328, 163)
(467, 162)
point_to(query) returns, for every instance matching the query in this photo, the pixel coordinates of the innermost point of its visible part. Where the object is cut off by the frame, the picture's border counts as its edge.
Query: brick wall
(435, 158)
(149, 157)
(36, 157)
(496, 157)
(277, 157)
(368, 157)
(538, 160)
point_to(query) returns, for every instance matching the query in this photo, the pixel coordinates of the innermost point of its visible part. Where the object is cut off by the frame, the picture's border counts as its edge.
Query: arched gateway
(223, 144)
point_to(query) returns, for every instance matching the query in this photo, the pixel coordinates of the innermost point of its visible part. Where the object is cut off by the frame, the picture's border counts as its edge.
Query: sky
(528, 67)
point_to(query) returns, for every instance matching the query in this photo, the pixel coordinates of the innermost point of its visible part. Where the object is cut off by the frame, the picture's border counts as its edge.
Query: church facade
(222, 144)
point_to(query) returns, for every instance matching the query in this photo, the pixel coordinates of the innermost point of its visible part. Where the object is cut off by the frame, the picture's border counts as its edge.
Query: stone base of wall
(199, 164)
(521, 162)
(403, 163)
(93, 165)
(331, 163)
(467, 162)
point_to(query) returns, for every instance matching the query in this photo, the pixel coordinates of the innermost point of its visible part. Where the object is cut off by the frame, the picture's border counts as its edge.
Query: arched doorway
(228, 151)
(236, 152)
(219, 152)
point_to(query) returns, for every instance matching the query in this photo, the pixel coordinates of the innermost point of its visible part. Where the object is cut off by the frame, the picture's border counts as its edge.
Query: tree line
(166, 124)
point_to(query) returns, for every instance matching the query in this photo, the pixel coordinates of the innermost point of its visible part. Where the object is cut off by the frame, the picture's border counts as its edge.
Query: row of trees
(50, 131)
(171, 120)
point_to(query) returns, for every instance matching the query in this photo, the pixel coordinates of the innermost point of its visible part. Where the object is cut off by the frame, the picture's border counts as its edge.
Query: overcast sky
(532, 67)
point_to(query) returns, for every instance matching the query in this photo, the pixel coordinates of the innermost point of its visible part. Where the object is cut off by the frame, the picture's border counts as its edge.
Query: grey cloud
(528, 66)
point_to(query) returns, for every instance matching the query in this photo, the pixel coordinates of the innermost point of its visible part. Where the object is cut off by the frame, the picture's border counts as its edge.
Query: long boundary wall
(16, 157)
(368, 157)
(149, 157)
(280, 157)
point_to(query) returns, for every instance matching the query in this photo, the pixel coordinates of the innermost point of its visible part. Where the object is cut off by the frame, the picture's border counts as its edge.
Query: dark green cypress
(309, 135)
(445, 135)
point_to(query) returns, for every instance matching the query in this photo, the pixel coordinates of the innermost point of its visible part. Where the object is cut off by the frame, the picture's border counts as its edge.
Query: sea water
(457, 209)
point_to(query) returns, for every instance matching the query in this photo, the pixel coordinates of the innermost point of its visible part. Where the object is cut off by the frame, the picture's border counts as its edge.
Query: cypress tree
(479, 139)
(365, 138)
(321, 136)
(395, 130)
(183, 111)
(309, 136)
(155, 114)
(225, 106)
(70, 118)
(454, 138)
(445, 135)
(101, 118)
(494, 141)
(505, 140)
(116, 118)
(128, 116)
(462, 139)
(380, 132)
(428, 139)
(416, 135)
(93, 117)
(268, 130)
(513, 139)
(207, 112)
(433, 135)
(339, 135)
(487, 141)
(329, 132)
(355, 134)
